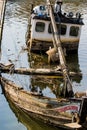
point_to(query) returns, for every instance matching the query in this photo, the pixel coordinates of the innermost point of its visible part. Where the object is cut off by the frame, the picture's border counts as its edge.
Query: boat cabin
(41, 32)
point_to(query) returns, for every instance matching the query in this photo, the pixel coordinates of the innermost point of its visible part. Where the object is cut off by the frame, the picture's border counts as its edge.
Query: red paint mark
(66, 108)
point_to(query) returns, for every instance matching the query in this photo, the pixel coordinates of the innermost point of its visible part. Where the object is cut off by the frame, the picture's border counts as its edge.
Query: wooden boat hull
(28, 121)
(41, 35)
(50, 111)
(43, 46)
(41, 41)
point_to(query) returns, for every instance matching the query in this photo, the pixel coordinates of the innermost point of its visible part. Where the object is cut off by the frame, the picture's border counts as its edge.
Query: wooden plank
(73, 125)
(38, 71)
(2, 13)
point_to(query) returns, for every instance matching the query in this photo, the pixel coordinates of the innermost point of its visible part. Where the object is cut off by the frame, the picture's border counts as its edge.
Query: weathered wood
(68, 86)
(2, 14)
(73, 125)
(83, 110)
(51, 111)
(31, 71)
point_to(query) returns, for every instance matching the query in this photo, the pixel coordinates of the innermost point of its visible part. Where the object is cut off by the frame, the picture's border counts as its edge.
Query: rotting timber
(57, 45)
(10, 68)
(2, 14)
(64, 113)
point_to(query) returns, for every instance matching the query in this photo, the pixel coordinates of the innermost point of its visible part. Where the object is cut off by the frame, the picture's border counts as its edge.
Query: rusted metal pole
(68, 85)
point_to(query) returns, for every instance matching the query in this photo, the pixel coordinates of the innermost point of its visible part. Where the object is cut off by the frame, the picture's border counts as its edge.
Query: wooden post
(68, 86)
(83, 110)
(2, 14)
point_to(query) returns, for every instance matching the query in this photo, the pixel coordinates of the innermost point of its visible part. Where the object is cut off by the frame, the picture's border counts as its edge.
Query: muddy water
(13, 49)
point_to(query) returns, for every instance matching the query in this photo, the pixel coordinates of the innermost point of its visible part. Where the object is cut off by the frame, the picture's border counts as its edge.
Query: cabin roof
(61, 19)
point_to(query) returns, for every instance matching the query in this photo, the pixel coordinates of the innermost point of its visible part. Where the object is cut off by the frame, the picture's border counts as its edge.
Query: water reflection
(41, 61)
(51, 85)
(48, 86)
(74, 65)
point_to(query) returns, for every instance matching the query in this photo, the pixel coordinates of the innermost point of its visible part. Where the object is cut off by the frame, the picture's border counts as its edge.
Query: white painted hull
(41, 34)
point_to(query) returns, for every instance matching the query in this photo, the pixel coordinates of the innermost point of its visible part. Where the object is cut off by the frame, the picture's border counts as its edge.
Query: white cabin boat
(41, 34)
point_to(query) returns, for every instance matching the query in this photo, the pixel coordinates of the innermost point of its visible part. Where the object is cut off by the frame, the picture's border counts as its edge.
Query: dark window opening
(74, 31)
(40, 27)
(61, 29)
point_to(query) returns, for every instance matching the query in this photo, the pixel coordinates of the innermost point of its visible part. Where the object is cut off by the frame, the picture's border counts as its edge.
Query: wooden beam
(57, 44)
(32, 71)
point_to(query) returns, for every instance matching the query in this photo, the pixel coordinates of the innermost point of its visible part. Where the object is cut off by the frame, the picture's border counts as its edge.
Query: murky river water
(12, 49)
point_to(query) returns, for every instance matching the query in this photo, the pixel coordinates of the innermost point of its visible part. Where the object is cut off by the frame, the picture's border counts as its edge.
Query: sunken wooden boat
(29, 122)
(41, 34)
(64, 113)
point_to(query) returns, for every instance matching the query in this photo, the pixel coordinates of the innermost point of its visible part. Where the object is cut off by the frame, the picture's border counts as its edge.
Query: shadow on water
(74, 66)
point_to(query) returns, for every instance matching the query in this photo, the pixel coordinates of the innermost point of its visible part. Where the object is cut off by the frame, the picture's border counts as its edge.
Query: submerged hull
(56, 112)
(44, 46)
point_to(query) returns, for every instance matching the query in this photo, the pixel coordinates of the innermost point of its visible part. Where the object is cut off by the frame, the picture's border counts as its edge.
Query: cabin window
(61, 29)
(74, 31)
(40, 27)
